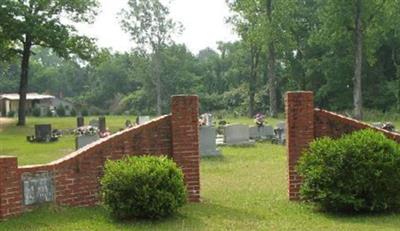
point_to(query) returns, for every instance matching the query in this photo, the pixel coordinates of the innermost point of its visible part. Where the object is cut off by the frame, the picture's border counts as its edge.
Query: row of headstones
(100, 123)
(238, 135)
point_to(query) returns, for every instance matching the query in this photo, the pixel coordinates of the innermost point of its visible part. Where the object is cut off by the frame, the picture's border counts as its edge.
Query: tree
(269, 22)
(149, 25)
(359, 27)
(25, 24)
(248, 27)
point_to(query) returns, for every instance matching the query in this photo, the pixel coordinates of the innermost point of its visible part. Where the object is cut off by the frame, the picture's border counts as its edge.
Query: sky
(203, 22)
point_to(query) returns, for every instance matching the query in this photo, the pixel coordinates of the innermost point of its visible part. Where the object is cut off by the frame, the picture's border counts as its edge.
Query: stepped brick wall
(305, 123)
(75, 178)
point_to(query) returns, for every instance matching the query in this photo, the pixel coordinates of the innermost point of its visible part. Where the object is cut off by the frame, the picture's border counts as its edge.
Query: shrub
(11, 114)
(73, 113)
(85, 112)
(49, 113)
(60, 110)
(358, 172)
(36, 112)
(143, 187)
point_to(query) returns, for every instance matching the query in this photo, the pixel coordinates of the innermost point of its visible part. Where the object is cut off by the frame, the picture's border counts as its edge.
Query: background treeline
(285, 45)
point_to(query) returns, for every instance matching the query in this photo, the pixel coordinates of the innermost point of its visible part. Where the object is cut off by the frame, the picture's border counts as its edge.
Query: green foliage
(36, 112)
(358, 172)
(73, 112)
(85, 112)
(143, 187)
(11, 114)
(60, 110)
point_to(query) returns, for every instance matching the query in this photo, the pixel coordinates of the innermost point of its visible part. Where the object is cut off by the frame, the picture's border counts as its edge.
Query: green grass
(13, 139)
(246, 189)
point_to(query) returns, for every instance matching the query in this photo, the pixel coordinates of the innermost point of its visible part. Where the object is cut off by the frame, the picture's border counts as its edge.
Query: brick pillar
(185, 141)
(300, 132)
(10, 188)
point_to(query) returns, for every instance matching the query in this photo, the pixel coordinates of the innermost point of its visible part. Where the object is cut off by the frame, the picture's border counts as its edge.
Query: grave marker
(38, 188)
(208, 144)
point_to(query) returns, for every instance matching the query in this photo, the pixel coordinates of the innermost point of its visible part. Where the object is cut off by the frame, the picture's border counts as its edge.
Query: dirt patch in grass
(4, 122)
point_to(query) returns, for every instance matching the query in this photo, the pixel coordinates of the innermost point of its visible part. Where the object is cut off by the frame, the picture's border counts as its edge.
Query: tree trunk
(157, 81)
(357, 88)
(253, 79)
(272, 81)
(23, 86)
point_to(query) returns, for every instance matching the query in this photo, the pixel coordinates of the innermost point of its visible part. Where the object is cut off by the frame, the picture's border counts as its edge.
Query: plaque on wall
(38, 188)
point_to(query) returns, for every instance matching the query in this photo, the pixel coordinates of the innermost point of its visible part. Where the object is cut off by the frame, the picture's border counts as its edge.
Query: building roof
(29, 96)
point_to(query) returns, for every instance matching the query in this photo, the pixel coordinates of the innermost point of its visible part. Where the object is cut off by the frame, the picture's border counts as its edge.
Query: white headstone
(236, 134)
(144, 119)
(264, 132)
(82, 141)
(208, 143)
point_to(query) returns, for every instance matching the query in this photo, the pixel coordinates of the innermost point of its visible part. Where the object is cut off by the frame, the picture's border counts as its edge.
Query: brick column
(300, 132)
(10, 188)
(185, 141)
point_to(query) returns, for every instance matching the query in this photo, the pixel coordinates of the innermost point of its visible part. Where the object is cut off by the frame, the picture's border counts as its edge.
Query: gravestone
(102, 124)
(42, 132)
(253, 132)
(82, 141)
(143, 119)
(264, 132)
(80, 122)
(236, 134)
(128, 124)
(38, 188)
(208, 145)
(280, 132)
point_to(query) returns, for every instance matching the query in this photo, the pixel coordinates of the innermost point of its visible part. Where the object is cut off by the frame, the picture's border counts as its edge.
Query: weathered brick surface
(304, 124)
(334, 125)
(300, 132)
(185, 141)
(76, 176)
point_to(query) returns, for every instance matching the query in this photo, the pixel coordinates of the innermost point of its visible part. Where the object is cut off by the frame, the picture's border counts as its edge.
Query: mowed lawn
(246, 189)
(13, 139)
(243, 190)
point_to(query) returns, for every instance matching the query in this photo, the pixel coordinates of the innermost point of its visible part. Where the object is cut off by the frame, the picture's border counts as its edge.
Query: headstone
(377, 124)
(94, 123)
(208, 145)
(43, 132)
(143, 119)
(254, 134)
(263, 132)
(128, 124)
(280, 132)
(102, 124)
(38, 188)
(236, 134)
(80, 122)
(82, 141)
(267, 132)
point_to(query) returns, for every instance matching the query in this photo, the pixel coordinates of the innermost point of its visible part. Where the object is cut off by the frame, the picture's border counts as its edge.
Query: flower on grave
(86, 131)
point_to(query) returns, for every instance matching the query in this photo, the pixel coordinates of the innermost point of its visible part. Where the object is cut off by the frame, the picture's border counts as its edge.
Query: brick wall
(76, 176)
(304, 124)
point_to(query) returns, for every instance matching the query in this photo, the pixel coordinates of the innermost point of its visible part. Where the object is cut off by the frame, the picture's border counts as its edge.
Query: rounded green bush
(143, 187)
(358, 172)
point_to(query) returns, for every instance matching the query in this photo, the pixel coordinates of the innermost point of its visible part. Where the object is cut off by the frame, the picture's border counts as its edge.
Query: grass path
(246, 189)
